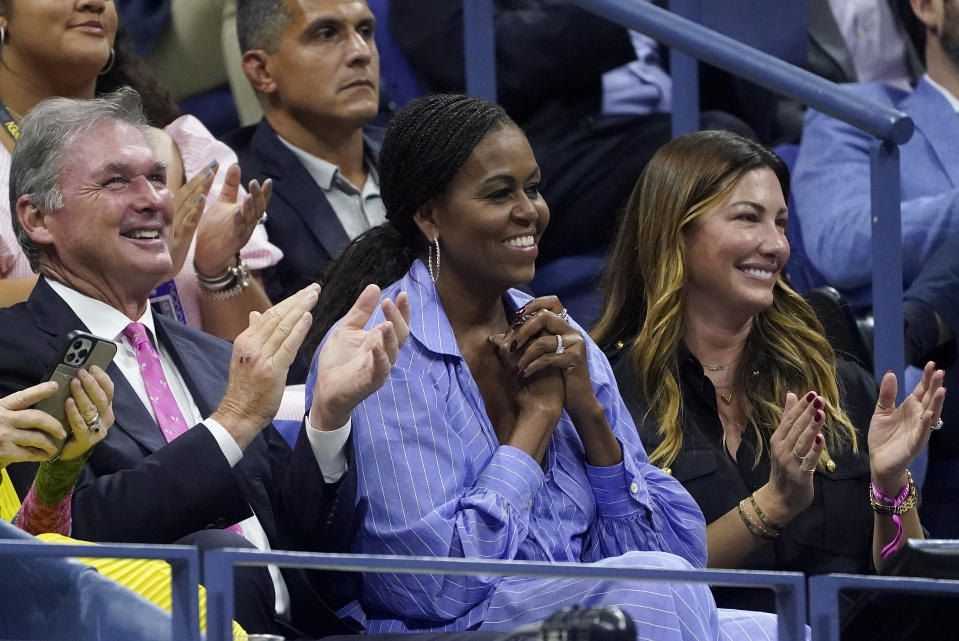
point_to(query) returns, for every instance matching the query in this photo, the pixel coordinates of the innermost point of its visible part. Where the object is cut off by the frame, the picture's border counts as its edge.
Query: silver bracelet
(229, 283)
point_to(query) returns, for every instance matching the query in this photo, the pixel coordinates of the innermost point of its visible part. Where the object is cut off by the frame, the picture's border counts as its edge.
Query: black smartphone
(80, 350)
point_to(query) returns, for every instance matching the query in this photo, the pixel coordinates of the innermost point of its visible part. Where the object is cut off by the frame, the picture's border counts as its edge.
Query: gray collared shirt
(357, 209)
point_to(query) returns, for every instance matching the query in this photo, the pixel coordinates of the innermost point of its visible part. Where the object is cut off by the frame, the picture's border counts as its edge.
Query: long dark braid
(426, 143)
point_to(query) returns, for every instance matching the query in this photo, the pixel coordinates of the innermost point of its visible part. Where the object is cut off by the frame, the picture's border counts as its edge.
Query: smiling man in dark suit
(315, 68)
(192, 456)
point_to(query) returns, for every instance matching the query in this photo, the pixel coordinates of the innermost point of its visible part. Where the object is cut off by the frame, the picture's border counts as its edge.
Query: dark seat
(848, 335)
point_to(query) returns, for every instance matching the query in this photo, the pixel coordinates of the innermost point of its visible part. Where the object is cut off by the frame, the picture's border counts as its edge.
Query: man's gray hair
(46, 134)
(259, 23)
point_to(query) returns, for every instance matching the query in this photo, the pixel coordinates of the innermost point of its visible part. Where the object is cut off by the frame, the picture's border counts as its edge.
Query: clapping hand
(188, 203)
(229, 222)
(898, 434)
(261, 358)
(794, 450)
(355, 362)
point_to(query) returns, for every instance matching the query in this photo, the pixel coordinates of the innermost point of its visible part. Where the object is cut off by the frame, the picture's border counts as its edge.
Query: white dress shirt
(107, 322)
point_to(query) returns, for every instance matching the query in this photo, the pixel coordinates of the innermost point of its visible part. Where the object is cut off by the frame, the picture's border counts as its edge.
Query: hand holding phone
(82, 399)
(28, 434)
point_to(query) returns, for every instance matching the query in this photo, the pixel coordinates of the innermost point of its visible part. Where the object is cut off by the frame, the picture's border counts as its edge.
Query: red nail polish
(513, 347)
(817, 416)
(810, 396)
(818, 439)
(817, 403)
(889, 371)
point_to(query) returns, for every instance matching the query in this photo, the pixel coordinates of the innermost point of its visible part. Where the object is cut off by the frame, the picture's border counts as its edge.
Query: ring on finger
(797, 456)
(559, 344)
(802, 466)
(884, 407)
(937, 425)
(94, 423)
(564, 316)
(262, 219)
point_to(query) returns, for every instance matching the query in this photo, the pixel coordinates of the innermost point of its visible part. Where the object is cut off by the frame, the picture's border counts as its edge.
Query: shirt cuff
(512, 474)
(615, 495)
(231, 451)
(329, 448)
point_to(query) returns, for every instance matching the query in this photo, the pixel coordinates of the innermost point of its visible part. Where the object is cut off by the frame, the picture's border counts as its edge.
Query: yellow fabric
(148, 578)
(9, 502)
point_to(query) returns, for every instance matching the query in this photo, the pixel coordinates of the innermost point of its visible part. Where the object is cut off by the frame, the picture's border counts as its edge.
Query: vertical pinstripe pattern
(434, 481)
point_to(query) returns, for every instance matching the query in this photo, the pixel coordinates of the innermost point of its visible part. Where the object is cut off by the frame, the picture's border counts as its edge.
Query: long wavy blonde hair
(644, 296)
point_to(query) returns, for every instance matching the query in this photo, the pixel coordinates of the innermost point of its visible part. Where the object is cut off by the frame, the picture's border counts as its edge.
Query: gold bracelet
(756, 530)
(909, 503)
(762, 516)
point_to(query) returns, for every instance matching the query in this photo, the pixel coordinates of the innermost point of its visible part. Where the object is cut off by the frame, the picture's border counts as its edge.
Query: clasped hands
(352, 364)
(545, 357)
(896, 437)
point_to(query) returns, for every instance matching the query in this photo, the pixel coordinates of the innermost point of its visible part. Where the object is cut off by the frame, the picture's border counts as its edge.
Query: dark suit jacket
(301, 221)
(136, 487)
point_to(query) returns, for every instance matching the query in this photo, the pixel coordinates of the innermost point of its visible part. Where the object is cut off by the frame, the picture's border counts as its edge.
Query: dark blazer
(136, 487)
(301, 221)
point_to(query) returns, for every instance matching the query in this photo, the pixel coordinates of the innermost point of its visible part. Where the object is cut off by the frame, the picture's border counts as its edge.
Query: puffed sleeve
(638, 506)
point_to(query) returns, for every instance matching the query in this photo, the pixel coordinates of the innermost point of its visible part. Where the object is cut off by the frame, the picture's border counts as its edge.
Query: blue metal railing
(691, 40)
(184, 564)
(824, 596)
(789, 587)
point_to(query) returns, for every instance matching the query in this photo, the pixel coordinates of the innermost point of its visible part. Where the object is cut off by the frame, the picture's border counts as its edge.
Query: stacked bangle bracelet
(893, 506)
(765, 528)
(231, 282)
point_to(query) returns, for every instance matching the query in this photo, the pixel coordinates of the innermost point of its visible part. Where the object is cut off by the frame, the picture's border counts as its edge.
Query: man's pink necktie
(168, 414)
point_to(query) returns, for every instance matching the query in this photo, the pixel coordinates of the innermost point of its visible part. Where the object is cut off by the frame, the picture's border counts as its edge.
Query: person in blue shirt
(500, 433)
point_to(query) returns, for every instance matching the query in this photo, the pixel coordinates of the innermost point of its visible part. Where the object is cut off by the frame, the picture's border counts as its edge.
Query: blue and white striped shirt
(434, 481)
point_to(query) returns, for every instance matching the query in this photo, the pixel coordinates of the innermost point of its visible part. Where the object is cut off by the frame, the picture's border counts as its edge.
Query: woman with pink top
(72, 48)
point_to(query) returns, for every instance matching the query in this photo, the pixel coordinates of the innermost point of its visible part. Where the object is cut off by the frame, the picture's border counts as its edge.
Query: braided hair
(425, 145)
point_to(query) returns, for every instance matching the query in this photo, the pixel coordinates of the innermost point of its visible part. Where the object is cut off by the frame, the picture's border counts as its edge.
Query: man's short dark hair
(259, 23)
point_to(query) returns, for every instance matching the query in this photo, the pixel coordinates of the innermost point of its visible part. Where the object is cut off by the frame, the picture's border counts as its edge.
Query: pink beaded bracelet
(887, 505)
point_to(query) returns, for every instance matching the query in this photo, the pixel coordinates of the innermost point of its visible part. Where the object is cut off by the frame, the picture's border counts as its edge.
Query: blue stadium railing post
(218, 575)
(888, 340)
(684, 71)
(479, 43)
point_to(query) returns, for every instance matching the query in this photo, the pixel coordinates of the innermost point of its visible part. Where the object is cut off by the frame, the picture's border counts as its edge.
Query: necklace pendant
(728, 398)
